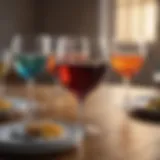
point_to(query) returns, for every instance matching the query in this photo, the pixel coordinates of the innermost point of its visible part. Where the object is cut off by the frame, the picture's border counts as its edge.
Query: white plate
(139, 111)
(140, 102)
(18, 104)
(18, 144)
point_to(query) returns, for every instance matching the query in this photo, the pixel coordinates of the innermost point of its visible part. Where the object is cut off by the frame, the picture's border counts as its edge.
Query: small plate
(140, 102)
(20, 105)
(139, 111)
(19, 144)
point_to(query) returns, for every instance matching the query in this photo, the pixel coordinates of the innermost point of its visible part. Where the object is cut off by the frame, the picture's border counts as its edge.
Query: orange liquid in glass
(127, 65)
(50, 65)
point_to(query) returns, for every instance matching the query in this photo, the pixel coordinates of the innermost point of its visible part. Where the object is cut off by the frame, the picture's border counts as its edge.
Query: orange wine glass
(127, 60)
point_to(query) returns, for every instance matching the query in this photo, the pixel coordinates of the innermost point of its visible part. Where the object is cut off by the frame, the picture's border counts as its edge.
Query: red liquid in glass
(80, 79)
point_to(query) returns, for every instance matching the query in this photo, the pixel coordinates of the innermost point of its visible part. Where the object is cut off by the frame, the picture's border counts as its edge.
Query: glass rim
(56, 36)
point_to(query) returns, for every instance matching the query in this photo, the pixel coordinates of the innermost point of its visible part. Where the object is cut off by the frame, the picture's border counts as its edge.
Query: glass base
(92, 130)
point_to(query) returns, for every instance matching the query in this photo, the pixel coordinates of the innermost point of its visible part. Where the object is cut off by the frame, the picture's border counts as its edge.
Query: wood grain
(121, 138)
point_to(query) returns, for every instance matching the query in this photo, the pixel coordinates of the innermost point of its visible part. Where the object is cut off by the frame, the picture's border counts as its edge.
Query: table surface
(121, 138)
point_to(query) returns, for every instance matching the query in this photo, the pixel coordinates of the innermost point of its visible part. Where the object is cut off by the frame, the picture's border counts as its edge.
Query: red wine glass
(80, 66)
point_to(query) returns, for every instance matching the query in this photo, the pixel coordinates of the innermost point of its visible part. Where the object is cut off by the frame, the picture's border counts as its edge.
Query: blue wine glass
(30, 55)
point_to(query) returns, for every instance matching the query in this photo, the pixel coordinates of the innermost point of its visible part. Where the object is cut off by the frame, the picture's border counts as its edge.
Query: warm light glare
(136, 20)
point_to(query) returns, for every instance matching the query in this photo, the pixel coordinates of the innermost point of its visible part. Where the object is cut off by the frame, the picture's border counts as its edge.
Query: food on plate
(154, 104)
(44, 130)
(4, 105)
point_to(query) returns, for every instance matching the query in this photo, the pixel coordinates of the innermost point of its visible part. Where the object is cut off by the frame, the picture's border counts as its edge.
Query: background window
(136, 19)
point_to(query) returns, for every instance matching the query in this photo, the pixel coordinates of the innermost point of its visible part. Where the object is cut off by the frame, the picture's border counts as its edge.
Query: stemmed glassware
(5, 65)
(80, 66)
(127, 60)
(29, 59)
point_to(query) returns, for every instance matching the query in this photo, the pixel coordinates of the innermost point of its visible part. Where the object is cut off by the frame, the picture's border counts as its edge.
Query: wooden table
(121, 138)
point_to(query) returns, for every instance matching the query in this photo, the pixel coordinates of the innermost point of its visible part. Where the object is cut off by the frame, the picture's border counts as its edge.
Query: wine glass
(50, 63)
(5, 64)
(29, 59)
(127, 60)
(80, 66)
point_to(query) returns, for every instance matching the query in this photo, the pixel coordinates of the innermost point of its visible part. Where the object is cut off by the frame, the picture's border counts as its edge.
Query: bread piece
(59, 105)
(44, 130)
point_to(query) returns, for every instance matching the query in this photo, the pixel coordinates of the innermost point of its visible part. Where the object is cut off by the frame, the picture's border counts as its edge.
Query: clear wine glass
(51, 60)
(5, 65)
(30, 53)
(80, 66)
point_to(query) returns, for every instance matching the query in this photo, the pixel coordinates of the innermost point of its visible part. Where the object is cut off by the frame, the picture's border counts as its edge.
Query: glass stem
(107, 74)
(80, 112)
(30, 94)
(2, 87)
(80, 122)
(127, 93)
